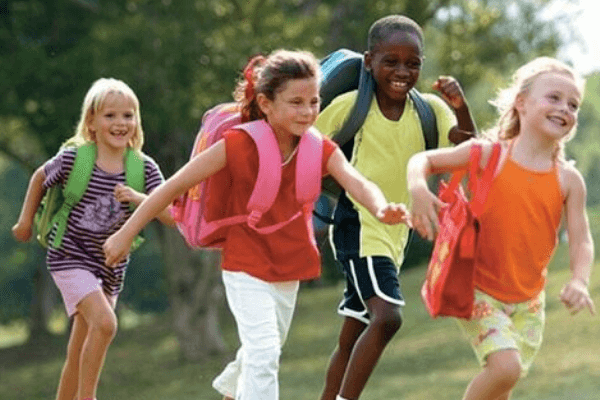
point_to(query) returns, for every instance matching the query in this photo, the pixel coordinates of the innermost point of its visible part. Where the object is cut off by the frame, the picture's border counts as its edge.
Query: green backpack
(57, 203)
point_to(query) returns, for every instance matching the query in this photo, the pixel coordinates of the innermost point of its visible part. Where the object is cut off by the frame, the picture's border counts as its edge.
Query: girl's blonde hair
(93, 103)
(268, 75)
(509, 125)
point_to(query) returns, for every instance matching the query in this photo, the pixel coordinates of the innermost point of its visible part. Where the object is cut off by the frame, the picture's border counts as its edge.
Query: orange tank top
(518, 236)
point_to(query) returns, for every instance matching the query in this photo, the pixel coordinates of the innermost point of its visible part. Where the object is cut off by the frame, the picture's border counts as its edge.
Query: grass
(428, 359)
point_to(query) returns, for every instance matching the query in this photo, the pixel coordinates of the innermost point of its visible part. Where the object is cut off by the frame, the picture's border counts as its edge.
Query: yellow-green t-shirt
(381, 152)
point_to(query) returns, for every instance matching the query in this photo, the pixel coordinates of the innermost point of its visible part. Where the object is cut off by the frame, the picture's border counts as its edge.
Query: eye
(573, 106)
(553, 97)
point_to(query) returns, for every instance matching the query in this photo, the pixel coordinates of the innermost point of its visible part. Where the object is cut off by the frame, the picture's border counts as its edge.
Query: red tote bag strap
(480, 187)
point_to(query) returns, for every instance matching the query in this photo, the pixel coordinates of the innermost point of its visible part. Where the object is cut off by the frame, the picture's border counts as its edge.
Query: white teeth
(399, 85)
(558, 120)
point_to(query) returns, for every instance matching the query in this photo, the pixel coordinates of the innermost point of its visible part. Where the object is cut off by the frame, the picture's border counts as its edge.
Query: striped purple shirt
(97, 216)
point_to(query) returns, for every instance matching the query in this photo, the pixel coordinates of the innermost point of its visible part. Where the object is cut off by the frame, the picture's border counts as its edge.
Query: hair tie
(249, 75)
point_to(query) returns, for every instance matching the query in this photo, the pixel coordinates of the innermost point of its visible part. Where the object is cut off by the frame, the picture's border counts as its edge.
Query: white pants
(263, 314)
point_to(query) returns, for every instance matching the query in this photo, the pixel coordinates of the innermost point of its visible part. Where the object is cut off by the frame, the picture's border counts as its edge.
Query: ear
(520, 103)
(368, 59)
(264, 103)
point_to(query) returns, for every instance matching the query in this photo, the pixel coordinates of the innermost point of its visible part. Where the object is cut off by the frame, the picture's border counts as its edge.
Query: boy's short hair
(384, 27)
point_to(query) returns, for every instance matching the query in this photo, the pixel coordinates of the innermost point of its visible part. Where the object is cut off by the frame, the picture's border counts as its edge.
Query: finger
(589, 303)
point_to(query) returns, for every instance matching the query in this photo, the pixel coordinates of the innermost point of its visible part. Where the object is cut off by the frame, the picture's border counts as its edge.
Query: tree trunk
(196, 294)
(45, 298)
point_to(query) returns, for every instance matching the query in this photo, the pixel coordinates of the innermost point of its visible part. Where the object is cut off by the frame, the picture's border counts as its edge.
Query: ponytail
(245, 92)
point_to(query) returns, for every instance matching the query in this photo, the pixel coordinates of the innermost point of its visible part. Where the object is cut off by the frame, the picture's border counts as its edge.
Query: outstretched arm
(35, 191)
(364, 191)
(126, 194)
(452, 93)
(195, 171)
(425, 204)
(575, 294)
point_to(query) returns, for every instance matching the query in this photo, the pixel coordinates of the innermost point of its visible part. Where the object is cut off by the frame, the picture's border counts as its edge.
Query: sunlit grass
(428, 359)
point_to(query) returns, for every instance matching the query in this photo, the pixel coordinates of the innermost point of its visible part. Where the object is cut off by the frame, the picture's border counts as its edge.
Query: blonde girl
(533, 187)
(262, 272)
(110, 118)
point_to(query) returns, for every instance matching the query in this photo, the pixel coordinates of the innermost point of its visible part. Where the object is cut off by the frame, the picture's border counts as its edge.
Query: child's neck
(287, 146)
(533, 153)
(110, 159)
(391, 109)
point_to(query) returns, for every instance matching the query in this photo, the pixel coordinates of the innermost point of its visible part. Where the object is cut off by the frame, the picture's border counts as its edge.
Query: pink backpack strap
(268, 180)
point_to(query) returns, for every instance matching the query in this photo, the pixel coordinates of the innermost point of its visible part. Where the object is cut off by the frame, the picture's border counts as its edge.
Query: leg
(263, 312)
(385, 322)
(498, 378)
(68, 384)
(97, 310)
(351, 330)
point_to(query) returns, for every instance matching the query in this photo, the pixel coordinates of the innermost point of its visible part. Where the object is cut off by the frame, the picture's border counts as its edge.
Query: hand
(22, 232)
(116, 248)
(575, 296)
(125, 194)
(450, 91)
(425, 210)
(393, 214)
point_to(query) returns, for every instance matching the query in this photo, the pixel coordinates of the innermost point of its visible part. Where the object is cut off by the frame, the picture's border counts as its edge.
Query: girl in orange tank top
(533, 187)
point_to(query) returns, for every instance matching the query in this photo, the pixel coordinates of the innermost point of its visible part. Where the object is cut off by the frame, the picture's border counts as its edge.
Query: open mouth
(558, 121)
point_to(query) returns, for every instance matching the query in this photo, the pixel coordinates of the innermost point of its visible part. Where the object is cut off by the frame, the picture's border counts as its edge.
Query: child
(369, 251)
(534, 184)
(261, 272)
(110, 117)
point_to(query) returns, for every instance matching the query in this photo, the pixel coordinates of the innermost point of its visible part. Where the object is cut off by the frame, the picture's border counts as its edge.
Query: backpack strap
(268, 180)
(360, 109)
(74, 189)
(135, 176)
(427, 118)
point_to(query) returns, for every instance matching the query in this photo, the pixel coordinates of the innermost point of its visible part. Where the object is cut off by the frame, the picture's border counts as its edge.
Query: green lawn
(426, 360)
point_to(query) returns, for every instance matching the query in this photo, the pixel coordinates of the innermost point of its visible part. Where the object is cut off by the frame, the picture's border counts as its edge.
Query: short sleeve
(445, 117)
(329, 146)
(332, 118)
(153, 174)
(57, 169)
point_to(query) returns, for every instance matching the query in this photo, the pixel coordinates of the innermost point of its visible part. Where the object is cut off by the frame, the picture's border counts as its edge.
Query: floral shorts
(496, 326)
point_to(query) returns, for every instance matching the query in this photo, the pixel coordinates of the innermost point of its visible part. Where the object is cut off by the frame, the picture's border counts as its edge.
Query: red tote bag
(448, 289)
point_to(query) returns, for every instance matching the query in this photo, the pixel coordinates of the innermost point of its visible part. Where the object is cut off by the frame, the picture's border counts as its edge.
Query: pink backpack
(201, 213)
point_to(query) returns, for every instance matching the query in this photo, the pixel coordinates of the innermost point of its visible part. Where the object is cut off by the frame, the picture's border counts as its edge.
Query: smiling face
(551, 105)
(396, 65)
(114, 124)
(294, 108)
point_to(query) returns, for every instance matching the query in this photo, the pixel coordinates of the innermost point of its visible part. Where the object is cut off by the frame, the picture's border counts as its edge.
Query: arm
(452, 93)
(125, 194)
(364, 191)
(195, 171)
(35, 191)
(425, 204)
(575, 294)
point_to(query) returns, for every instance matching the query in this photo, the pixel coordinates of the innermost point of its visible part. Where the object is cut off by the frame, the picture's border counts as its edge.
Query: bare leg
(498, 378)
(68, 384)
(98, 312)
(385, 322)
(351, 330)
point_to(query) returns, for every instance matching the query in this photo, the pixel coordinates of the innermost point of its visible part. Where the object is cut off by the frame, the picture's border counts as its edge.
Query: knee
(106, 326)
(388, 323)
(264, 359)
(506, 370)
